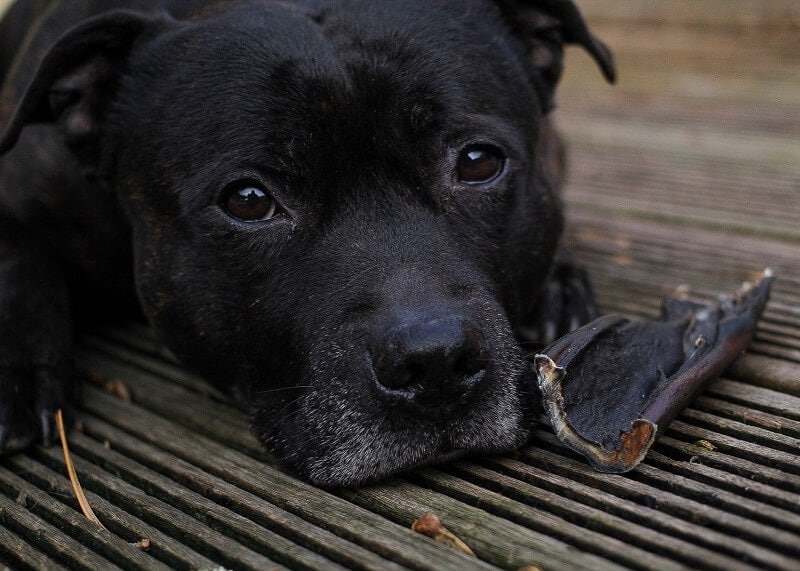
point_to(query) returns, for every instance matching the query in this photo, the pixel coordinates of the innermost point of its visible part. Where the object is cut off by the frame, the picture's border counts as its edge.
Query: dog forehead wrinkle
(404, 41)
(326, 80)
(230, 58)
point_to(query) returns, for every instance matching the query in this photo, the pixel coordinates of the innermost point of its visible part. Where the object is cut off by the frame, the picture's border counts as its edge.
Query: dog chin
(386, 460)
(333, 442)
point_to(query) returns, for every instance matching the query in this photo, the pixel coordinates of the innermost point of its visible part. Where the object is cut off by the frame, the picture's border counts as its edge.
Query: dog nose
(431, 362)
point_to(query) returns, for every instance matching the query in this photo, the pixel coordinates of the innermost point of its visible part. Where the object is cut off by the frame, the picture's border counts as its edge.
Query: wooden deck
(688, 171)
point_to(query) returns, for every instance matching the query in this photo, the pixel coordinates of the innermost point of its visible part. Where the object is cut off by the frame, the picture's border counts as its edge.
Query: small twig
(73, 477)
(430, 525)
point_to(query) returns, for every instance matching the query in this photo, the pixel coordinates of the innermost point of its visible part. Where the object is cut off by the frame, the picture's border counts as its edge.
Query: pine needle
(73, 477)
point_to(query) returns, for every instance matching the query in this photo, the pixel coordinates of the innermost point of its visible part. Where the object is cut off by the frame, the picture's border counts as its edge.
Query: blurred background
(687, 170)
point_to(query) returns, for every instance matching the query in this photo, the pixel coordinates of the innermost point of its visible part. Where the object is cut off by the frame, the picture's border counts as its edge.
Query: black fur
(352, 114)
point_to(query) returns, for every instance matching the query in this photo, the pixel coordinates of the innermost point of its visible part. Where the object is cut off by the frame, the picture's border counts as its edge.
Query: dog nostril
(433, 361)
(468, 364)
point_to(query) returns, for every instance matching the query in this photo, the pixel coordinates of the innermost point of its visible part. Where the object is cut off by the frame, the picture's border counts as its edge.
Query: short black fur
(369, 324)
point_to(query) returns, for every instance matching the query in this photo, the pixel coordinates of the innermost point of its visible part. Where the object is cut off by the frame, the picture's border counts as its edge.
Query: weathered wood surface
(688, 171)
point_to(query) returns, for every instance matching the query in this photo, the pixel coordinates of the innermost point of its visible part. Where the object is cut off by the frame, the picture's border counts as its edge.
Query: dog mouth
(422, 377)
(345, 431)
(418, 400)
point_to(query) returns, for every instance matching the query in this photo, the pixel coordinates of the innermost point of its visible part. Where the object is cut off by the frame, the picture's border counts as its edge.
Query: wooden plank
(771, 401)
(761, 436)
(183, 445)
(684, 140)
(699, 69)
(767, 484)
(16, 553)
(493, 539)
(677, 476)
(188, 530)
(233, 525)
(68, 520)
(780, 335)
(371, 531)
(267, 516)
(762, 118)
(649, 241)
(599, 530)
(736, 14)
(614, 281)
(737, 447)
(770, 373)
(681, 216)
(631, 271)
(181, 402)
(153, 362)
(695, 462)
(648, 175)
(115, 518)
(750, 416)
(519, 504)
(49, 539)
(633, 267)
(774, 351)
(224, 422)
(658, 496)
(140, 335)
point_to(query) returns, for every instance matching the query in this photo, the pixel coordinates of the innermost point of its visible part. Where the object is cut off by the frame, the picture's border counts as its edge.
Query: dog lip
(403, 399)
(348, 452)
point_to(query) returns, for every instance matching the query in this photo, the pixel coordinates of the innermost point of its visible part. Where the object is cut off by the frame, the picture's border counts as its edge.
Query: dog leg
(566, 303)
(35, 345)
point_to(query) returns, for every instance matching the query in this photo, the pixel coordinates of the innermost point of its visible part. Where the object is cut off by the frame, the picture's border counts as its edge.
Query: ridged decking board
(688, 172)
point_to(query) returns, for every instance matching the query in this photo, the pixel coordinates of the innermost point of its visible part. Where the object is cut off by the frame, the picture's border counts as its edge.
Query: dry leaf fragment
(143, 544)
(73, 477)
(118, 388)
(430, 526)
(705, 444)
(115, 387)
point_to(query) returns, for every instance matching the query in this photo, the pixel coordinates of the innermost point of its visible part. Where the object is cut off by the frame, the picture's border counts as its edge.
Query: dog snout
(430, 361)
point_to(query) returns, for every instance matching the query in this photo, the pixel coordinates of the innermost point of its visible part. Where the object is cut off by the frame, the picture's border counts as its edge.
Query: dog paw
(36, 370)
(28, 403)
(566, 303)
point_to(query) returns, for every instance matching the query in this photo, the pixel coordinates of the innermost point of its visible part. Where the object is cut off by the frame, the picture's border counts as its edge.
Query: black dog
(342, 210)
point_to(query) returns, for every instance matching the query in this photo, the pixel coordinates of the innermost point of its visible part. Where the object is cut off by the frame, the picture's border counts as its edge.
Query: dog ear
(545, 26)
(76, 80)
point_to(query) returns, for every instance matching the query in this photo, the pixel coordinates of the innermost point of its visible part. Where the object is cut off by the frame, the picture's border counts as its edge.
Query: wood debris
(73, 477)
(430, 526)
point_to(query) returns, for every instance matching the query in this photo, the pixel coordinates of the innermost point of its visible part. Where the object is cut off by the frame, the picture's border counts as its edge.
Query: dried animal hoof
(611, 386)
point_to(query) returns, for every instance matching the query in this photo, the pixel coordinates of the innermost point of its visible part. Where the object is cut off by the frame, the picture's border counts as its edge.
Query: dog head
(340, 209)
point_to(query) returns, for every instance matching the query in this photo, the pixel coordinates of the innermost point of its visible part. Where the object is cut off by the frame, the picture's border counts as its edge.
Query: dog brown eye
(249, 204)
(479, 164)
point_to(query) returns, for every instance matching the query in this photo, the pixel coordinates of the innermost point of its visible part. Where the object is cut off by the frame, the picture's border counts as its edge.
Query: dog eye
(249, 203)
(478, 164)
